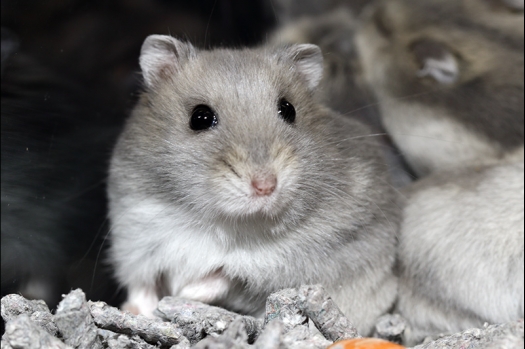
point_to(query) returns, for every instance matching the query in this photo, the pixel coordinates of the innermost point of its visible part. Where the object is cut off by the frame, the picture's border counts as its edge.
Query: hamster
(461, 250)
(449, 79)
(230, 181)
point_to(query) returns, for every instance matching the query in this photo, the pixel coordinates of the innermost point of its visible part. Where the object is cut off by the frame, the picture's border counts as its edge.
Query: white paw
(141, 301)
(207, 290)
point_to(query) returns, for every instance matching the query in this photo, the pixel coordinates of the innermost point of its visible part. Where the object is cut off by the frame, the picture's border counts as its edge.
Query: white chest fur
(150, 238)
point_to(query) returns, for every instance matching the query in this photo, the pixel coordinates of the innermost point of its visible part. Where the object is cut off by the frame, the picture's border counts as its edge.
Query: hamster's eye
(286, 111)
(203, 118)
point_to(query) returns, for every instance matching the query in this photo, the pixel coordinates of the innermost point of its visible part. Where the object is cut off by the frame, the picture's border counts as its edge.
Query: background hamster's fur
(55, 147)
(449, 79)
(461, 250)
(290, 10)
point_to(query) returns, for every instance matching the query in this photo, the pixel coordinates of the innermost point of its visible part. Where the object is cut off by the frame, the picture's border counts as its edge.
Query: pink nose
(265, 185)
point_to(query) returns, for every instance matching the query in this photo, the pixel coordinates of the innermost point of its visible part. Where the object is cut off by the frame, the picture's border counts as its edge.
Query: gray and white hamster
(461, 250)
(230, 181)
(449, 79)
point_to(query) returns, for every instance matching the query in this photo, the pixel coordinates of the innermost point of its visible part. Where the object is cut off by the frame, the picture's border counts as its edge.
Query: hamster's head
(455, 58)
(228, 133)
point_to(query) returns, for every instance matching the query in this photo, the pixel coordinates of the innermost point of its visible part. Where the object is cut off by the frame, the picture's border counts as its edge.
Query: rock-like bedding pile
(304, 318)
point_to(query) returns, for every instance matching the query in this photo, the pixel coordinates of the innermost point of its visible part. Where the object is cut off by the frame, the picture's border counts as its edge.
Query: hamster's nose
(264, 185)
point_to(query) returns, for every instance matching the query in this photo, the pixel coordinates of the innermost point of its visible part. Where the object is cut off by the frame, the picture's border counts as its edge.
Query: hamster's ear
(436, 61)
(161, 56)
(308, 60)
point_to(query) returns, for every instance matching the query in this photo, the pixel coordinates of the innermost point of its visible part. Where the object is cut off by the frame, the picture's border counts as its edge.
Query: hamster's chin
(271, 206)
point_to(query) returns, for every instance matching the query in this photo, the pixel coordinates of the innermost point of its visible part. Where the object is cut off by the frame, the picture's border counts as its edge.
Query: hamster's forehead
(236, 75)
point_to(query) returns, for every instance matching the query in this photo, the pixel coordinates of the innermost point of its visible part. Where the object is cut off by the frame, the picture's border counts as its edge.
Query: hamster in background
(55, 146)
(230, 181)
(461, 250)
(449, 79)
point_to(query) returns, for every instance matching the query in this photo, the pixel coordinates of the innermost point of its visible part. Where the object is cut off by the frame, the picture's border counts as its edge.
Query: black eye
(286, 111)
(202, 118)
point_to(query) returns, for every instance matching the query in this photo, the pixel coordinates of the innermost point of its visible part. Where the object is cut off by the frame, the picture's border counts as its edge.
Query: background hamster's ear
(308, 60)
(436, 61)
(161, 56)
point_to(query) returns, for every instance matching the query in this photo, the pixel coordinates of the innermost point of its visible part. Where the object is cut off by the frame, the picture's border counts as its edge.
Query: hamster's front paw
(130, 308)
(210, 289)
(141, 301)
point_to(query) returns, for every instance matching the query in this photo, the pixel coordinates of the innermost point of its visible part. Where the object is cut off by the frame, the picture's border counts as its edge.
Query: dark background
(97, 42)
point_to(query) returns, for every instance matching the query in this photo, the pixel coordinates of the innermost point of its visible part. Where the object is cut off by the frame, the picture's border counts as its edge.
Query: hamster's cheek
(229, 193)
(239, 185)
(286, 163)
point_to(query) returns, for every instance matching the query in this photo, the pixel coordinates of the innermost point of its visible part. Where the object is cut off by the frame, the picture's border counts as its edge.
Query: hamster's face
(229, 133)
(456, 57)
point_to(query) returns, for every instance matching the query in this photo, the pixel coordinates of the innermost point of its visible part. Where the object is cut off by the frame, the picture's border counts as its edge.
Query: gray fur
(461, 250)
(449, 79)
(182, 213)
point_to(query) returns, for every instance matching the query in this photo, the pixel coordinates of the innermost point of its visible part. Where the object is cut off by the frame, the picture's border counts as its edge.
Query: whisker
(209, 22)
